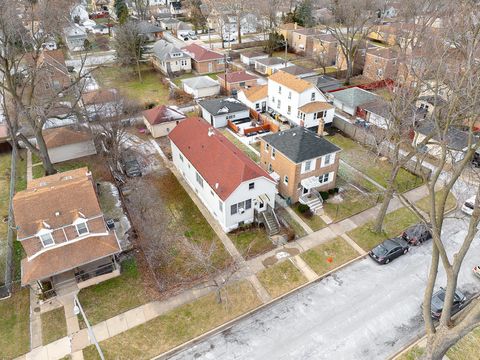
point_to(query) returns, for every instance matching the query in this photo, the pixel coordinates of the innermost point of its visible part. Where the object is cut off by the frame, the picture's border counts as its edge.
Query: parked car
(476, 271)
(476, 159)
(469, 205)
(439, 298)
(98, 15)
(100, 29)
(389, 250)
(131, 165)
(417, 234)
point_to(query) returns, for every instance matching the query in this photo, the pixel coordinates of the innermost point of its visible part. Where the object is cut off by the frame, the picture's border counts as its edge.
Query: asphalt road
(365, 311)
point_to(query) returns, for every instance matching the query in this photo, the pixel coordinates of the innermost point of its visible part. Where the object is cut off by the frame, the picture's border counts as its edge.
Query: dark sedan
(417, 234)
(439, 298)
(388, 250)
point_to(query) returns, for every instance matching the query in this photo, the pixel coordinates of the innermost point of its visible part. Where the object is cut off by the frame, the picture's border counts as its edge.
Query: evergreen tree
(121, 10)
(303, 14)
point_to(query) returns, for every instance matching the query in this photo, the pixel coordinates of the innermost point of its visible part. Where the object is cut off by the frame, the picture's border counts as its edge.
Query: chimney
(321, 126)
(295, 25)
(211, 132)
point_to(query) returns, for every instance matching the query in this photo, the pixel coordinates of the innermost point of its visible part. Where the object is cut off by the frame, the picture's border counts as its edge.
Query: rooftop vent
(57, 213)
(211, 132)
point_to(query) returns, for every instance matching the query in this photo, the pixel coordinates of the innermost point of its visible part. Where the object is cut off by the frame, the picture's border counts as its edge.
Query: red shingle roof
(162, 114)
(220, 163)
(199, 53)
(237, 76)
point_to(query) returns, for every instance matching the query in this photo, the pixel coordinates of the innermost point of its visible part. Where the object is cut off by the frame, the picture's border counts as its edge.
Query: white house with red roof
(205, 61)
(230, 185)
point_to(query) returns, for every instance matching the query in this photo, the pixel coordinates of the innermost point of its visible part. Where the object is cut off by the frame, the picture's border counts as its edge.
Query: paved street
(365, 311)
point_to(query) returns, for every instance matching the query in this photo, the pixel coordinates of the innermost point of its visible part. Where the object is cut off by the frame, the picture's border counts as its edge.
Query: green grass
(114, 296)
(315, 222)
(365, 161)
(297, 228)
(244, 148)
(54, 325)
(15, 325)
(251, 241)
(281, 278)
(5, 167)
(178, 326)
(450, 204)
(394, 223)
(21, 172)
(414, 353)
(467, 348)
(329, 255)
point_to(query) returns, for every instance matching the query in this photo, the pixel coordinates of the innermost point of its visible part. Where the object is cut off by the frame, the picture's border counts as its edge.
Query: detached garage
(201, 86)
(66, 143)
(350, 99)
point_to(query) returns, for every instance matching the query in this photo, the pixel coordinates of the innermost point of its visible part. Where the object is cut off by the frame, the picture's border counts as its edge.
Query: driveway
(365, 311)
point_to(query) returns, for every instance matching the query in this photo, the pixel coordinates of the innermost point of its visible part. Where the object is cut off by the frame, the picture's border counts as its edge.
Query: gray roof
(378, 107)
(324, 83)
(145, 27)
(433, 100)
(297, 70)
(299, 144)
(455, 139)
(353, 97)
(222, 106)
(163, 50)
(271, 61)
(200, 82)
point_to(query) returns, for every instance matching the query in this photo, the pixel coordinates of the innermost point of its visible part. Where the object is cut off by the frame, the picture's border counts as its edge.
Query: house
(62, 230)
(176, 8)
(230, 185)
(380, 63)
(297, 100)
(302, 162)
(150, 31)
(325, 83)
(169, 59)
(201, 86)
(219, 111)
(255, 98)
(377, 113)
(160, 120)
(348, 100)
(168, 23)
(299, 71)
(75, 37)
(302, 40)
(102, 103)
(205, 61)
(430, 102)
(68, 143)
(271, 65)
(236, 80)
(287, 29)
(78, 14)
(249, 57)
(359, 58)
(324, 48)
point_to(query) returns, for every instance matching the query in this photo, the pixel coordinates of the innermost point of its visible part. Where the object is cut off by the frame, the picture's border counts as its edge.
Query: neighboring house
(160, 120)
(380, 63)
(102, 103)
(218, 111)
(75, 37)
(249, 57)
(324, 49)
(168, 23)
(169, 59)
(176, 8)
(68, 143)
(236, 80)
(78, 14)
(359, 58)
(302, 40)
(230, 185)
(63, 232)
(350, 99)
(201, 86)
(205, 61)
(271, 65)
(150, 31)
(299, 71)
(430, 102)
(376, 112)
(298, 100)
(286, 30)
(302, 162)
(325, 83)
(255, 98)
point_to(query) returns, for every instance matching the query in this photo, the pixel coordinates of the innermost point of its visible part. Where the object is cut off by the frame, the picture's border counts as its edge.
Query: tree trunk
(388, 196)
(43, 152)
(138, 71)
(239, 30)
(349, 70)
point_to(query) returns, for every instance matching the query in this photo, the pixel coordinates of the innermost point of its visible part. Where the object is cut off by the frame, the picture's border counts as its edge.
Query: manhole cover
(37, 309)
(282, 255)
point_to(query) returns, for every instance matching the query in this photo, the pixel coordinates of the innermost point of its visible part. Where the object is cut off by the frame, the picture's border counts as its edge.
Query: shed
(67, 143)
(160, 120)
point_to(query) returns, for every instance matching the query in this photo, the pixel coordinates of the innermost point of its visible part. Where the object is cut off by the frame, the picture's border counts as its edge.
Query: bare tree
(142, 7)
(237, 9)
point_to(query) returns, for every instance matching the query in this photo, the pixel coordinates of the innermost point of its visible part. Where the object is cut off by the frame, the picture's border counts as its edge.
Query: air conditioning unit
(241, 210)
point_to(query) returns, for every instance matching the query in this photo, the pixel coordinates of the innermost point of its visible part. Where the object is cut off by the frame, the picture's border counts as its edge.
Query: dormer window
(81, 226)
(46, 238)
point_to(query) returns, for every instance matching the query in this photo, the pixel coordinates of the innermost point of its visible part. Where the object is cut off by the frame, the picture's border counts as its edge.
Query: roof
(200, 82)
(254, 54)
(256, 93)
(456, 139)
(237, 76)
(385, 53)
(199, 53)
(220, 163)
(67, 193)
(67, 257)
(297, 70)
(433, 100)
(299, 144)
(162, 114)
(307, 31)
(315, 106)
(291, 81)
(325, 37)
(378, 107)
(324, 83)
(163, 50)
(64, 135)
(271, 61)
(146, 27)
(290, 26)
(99, 96)
(353, 97)
(222, 106)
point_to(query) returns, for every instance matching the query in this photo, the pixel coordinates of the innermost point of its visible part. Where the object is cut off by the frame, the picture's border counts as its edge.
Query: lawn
(394, 223)
(179, 325)
(54, 325)
(5, 163)
(371, 165)
(329, 255)
(114, 296)
(315, 222)
(244, 148)
(450, 204)
(467, 348)
(413, 354)
(281, 278)
(14, 325)
(297, 228)
(251, 241)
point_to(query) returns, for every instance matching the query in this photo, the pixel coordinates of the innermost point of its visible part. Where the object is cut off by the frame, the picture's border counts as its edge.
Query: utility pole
(77, 309)
(286, 48)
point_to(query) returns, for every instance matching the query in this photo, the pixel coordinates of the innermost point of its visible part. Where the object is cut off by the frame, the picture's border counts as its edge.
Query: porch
(309, 195)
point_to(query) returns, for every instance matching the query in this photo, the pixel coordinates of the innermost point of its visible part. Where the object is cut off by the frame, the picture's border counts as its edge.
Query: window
(327, 160)
(199, 180)
(82, 228)
(319, 115)
(324, 178)
(211, 192)
(267, 146)
(273, 153)
(220, 205)
(278, 104)
(273, 99)
(242, 84)
(285, 180)
(279, 89)
(299, 115)
(312, 98)
(233, 209)
(47, 239)
(289, 109)
(270, 168)
(257, 106)
(308, 165)
(181, 157)
(248, 204)
(251, 186)
(289, 94)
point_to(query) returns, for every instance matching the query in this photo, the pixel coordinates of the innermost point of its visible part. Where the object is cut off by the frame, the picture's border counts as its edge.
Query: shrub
(308, 214)
(149, 105)
(302, 208)
(290, 234)
(331, 191)
(336, 190)
(324, 195)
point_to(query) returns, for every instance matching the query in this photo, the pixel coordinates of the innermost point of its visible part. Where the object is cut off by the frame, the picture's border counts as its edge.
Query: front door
(264, 106)
(305, 191)
(210, 67)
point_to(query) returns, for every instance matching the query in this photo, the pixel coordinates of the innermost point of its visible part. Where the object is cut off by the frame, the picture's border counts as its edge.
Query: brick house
(380, 63)
(237, 80)
(302, 162)
(286, 30)
(324, 47)
(63, 232)
(302, 40)
(205, 61)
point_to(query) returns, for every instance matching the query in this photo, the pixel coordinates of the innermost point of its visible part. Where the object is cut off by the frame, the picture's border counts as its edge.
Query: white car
(469, 205)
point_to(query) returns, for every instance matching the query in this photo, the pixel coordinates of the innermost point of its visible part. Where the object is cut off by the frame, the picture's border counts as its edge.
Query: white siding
(72, 151)
(202, 92)
(219, 121)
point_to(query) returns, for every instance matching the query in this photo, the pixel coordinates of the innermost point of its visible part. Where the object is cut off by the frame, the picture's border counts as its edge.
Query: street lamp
(77, 309)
